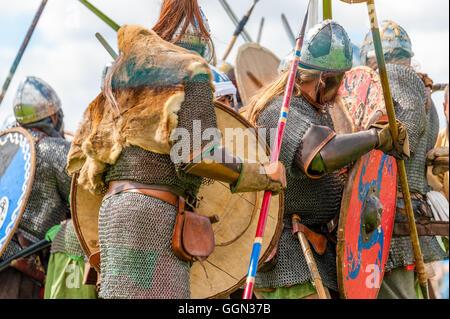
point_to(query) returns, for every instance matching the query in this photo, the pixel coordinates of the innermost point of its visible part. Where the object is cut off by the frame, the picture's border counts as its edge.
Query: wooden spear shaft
(239, 29)
(19, 55)
(420, 265)
(106, 45)
(101, 15)
(275, 154)
(261, 26)
(327, 10)
(234, 19)
(310, 261)
(288, 29)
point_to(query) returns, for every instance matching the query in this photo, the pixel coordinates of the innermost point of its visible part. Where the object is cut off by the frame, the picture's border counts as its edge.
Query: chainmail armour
(316, 201)
(410, 99)
(47, 204)
(66, 240)
(135, 230)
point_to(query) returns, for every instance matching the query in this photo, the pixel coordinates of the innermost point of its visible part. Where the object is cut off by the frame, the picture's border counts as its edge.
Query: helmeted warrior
(228, 69)
(415, 109)
(225, 91)
(38, 109)
(313, 155)
(158, 88)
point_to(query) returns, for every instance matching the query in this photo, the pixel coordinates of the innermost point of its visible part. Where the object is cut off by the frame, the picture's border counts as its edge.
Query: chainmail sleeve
(197, 111)
(59, 163)
(410, 98)
(48, 203)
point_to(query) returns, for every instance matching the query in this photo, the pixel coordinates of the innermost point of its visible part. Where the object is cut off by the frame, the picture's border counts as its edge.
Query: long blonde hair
(276, 88)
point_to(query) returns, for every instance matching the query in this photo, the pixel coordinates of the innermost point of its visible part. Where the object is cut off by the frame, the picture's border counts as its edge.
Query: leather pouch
(193, 236)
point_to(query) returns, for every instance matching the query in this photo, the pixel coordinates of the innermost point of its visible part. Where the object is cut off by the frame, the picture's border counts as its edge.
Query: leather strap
(424, 227)
(161, 192)
(94, 259)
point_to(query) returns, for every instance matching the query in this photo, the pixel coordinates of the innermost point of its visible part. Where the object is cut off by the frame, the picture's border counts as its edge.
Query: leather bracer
(321, 144)
(242, 176)
(216, 164)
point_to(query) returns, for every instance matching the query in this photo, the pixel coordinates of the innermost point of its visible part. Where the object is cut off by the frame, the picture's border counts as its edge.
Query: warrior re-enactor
(313, 154)
(415, 109)
(152, 89)
(37, 108)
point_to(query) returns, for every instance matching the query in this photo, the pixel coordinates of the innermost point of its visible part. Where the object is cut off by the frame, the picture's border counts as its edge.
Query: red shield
(368, 204)
(365, 225)
(362, 93)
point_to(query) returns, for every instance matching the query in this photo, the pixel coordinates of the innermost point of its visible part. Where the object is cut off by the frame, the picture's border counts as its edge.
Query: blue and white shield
(17, 167)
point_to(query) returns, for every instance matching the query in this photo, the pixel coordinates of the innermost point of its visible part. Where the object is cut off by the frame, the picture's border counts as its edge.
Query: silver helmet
(35, 100)
(193, 39)
(327, 48)
(392, 36)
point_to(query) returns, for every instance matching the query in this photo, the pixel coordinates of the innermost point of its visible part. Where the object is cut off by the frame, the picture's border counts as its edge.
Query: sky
(65, 53)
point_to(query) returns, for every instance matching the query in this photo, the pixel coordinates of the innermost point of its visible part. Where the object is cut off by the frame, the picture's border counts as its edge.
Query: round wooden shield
(365, 225)
(362, 93)
(227, 266)
(18, 164)
(255, 67)
(371, 191)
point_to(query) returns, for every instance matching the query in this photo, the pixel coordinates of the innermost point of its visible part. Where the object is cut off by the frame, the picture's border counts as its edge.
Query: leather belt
(424, 228)
(161, 192)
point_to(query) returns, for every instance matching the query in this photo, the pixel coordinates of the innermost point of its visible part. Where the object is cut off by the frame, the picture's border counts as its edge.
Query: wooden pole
(19, 55)
(257, 244)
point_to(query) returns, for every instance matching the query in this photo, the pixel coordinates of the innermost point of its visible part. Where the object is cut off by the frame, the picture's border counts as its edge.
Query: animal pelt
(139, 105)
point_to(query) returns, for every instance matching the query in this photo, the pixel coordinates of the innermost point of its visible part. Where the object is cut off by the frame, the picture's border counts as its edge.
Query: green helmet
(35, 100)
(327, 48)
(392, 37)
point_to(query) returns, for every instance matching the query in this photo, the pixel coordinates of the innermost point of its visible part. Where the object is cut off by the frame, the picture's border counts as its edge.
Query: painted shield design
(368, 204)
(362, 93)
(255, 67)
(365, 225)
(227, 266)
(18, 163)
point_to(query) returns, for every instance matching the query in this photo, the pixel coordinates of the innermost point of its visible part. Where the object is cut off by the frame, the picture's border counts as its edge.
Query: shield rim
(340, 247)
(239, 80)
(29, 137)
(263, 256)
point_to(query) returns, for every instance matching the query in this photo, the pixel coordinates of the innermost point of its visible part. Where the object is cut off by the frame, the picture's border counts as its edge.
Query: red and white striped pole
(256, 250)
